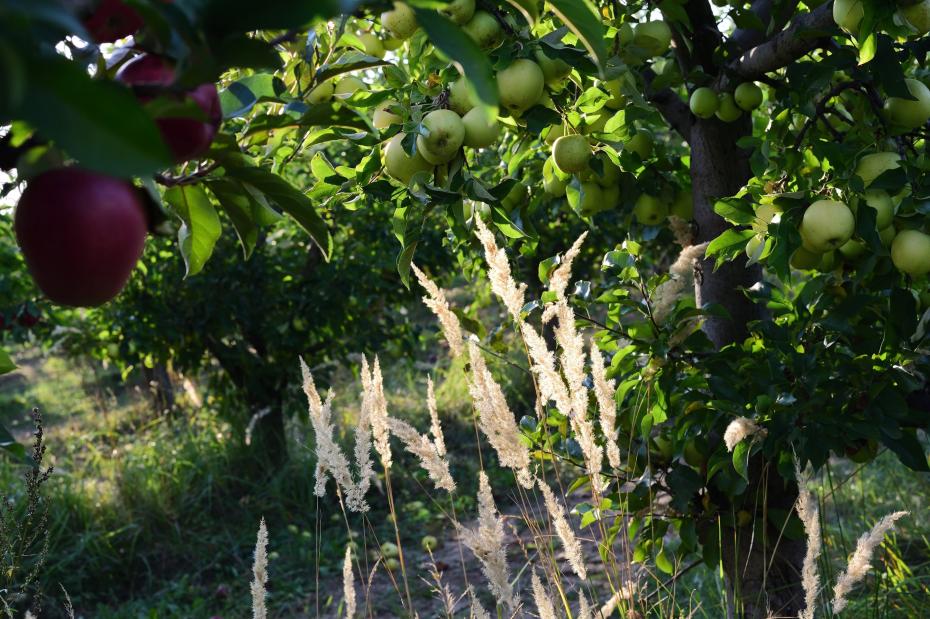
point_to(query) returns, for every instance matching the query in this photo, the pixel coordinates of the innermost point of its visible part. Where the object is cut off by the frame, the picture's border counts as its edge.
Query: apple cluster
(727, 106)
(82, 232)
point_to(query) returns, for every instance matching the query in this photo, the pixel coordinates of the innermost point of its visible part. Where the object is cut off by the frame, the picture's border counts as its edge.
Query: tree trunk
(160, 387)
(762, 570)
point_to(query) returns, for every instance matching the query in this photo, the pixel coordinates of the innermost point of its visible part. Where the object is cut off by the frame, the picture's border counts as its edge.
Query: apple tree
(752, 174)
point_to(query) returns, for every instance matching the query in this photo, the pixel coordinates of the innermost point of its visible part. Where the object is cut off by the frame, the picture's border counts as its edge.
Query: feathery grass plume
(477, 610)
(740, 429)
(604, 390)
(860, 562)
(435, 427)
(502, 282)
(810, 578)
(423, 448)
(496, 419)
(584, 609)
(559, 278)
(624, 592)
(437, 303)
(544, 606)
(564, 530)
(542, 360)
(348, 583)
(363, 463)
(487, 544)
(260, 572)
(330, 459)
(681, 274)
(378, 415)
(681, 230)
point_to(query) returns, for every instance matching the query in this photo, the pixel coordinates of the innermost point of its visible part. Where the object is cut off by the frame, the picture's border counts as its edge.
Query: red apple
(81, 234)
(112, 20)
(188, 138)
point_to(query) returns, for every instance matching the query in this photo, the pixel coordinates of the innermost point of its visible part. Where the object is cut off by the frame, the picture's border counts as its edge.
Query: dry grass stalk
(348, 584)
(544, 606)
(435, 427)
(809, 514)
(604, 391)
(487, 543)
(437, 303)
(423, 448)
(502, 282)
(860, 563)
(496, 419)
(260, 572)
(564, 530)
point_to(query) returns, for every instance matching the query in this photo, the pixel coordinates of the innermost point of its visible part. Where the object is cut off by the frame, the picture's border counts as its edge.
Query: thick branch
(703, 40)
(744, 38)
(670, 105)
(787, 46)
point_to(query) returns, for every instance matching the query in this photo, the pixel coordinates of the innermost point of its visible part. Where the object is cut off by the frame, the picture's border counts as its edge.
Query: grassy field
(154, 516)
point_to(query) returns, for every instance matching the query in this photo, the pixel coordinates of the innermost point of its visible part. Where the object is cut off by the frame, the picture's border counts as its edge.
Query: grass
(156, 517)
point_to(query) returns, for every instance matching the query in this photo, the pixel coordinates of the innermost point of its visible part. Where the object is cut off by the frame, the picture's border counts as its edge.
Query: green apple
(748, 96)
(910, 252)
(480, 131)
(520, 85)
(389, 550)
(391, 564)
(847, 14)
(373, 45)
(649, 210)
(907, 114)
(727, 110)
(610, 196)
(383, 117)
(765, 213)
(654, 37)
(460, 97)
(556, 131)
(874, 165)
(587, 200)
(459, 11)
(683, 205)
(429, 543)
(853, 249)
(887, 235)
(398, 164)
(517, 196)
(554, 180)
(401, 22)
(704, 102)
(554, 69)
(610, 174)
(879, 200)
(918, 16)
(391, 43)
(755, 246)
(322, 92)
(640, 143)
(617, 98)
(484, 30)
(571, 153)
(805, 260)
(826, 225)
(444, 137)
(347, 86)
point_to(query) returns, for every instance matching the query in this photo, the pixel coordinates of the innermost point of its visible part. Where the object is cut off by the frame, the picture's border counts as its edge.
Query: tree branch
(703, 40)
(787, 46)
(670, 105)
(744, 38)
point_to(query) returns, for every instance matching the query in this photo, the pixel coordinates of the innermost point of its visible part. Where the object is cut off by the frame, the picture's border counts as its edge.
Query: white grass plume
(260, 572)
(495, 418)
(809, 514)
(348, 584)
(330, 459)
(739, 430)
(423, 448)
(502, 282)
(487, 544)
(378, 415)
(860, 563)
(544, 606)
(604, 391)
(435, 427)
(437, 303)
(564, 530)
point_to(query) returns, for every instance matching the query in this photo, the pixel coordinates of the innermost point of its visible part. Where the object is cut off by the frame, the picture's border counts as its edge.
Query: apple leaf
(728, 244)
(452, 41)
(353, 61)
(6, 364)
(290, 200)
(201, 226)
(98, 122)
(239, 206)
(741, 458)
(582, 18)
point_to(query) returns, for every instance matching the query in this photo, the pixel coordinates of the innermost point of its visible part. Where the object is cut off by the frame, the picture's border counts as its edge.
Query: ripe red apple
(188, 138)
(81, 234)
(112, 20)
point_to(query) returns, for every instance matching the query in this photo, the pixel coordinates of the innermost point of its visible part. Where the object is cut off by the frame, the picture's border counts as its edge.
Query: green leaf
(735, 210)
(201, 228)
(353, 61)
(6, 364)
(741, 458)
(98, 122)
(9, 444)
(582, 18)
(245, 15)
(452, 41)
(868, 49)
(239, 97)
(728, 244)
(236, 202)
(290, 200)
